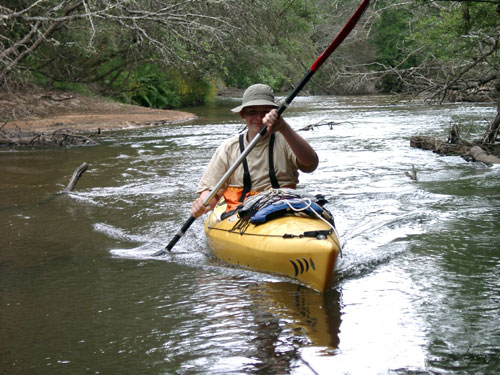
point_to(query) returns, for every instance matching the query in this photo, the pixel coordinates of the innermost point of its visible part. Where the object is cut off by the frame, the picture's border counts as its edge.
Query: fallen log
(438, 146)
(455, 146)
(480, 155)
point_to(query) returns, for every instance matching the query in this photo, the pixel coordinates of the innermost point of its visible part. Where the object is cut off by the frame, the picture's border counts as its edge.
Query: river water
(417, 289)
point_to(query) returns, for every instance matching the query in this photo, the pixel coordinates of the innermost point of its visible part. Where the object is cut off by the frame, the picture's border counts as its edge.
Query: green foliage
(445, 38)
(150, 86)
(451, 34)
(389, 35)
(39, 78)
(247, 71)
(271, 53)
(391, 42)
(269, 41)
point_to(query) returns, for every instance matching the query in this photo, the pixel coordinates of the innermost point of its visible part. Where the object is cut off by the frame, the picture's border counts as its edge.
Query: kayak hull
(277, 246)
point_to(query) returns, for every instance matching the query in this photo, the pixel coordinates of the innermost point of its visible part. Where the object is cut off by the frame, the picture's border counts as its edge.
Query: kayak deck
(301, 247)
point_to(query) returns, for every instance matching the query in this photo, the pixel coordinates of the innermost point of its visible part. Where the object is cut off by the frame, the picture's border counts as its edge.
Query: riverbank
(36, 114)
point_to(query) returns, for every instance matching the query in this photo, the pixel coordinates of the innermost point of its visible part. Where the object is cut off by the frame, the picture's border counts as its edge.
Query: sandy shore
(41, 111)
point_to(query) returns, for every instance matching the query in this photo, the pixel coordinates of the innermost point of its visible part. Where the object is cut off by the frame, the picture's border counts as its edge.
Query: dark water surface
(418, 286)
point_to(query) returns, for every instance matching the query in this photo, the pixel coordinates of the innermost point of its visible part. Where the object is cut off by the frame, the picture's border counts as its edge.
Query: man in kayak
(273, 163)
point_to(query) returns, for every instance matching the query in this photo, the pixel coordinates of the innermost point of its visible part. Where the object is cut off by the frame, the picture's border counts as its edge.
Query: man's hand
(197, 207)
(306, 156)
(273, 122)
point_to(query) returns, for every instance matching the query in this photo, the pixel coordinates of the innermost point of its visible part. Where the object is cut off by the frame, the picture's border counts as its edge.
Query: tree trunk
(493, 129)
(492, 132)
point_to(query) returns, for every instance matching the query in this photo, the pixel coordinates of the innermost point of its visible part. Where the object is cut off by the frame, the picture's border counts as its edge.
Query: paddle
(314, 67)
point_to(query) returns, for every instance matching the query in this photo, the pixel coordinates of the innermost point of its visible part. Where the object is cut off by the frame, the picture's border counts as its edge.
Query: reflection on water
(416, 290)
(251, 327)
(312, 315)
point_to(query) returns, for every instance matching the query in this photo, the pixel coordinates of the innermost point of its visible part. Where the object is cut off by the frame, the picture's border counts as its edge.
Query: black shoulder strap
(247, 181)
(272, 173)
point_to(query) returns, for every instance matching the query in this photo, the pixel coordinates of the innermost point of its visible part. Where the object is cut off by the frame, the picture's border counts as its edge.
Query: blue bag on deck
(281, 208)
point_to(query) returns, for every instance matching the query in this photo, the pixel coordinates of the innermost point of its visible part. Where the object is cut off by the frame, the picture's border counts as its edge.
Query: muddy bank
(36, 117)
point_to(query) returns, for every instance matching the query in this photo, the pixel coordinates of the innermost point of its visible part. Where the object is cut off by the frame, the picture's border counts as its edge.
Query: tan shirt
(285, 164)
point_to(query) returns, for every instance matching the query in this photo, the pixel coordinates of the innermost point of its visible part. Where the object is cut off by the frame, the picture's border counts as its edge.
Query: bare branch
(179, 31)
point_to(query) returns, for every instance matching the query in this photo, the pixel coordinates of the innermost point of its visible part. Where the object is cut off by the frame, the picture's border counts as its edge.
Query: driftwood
(454, 145)
(480, 155)
(57, 138)
(76, 176)
(439, 146)
(330, 124)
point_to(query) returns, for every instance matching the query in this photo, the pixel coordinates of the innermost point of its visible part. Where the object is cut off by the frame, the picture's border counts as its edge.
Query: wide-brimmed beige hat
(258, 94)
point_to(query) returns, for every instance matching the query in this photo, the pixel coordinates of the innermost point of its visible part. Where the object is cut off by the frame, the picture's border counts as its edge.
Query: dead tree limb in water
(76, 176)
(455, 145)
(441, 147)
(330, 124)
(413, 173)
(480, 155)
(493, 131)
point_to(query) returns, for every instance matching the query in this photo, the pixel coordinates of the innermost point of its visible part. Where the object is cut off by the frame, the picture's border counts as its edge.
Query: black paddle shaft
(177, 236)
(283, 106)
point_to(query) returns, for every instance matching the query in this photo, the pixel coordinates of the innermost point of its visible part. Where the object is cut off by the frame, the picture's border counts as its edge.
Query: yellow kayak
(300, 246)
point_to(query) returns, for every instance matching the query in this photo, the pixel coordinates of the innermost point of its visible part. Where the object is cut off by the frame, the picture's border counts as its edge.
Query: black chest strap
(247, 181)
(272, 173)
